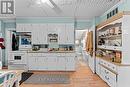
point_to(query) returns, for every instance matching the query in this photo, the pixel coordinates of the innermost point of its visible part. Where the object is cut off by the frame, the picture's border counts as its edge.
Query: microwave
(53, 38)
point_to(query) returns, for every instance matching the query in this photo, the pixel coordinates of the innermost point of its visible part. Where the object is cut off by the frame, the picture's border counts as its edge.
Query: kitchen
(60, 43)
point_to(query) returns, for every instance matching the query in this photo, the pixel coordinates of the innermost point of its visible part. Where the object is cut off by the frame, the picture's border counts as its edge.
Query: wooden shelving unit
(108, 50)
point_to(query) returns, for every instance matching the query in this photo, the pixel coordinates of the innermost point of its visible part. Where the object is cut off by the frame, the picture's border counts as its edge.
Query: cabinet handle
(106, 72)
(106, 78)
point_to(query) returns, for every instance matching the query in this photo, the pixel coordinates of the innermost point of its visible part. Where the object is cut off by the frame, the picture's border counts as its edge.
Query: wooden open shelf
(113, 18)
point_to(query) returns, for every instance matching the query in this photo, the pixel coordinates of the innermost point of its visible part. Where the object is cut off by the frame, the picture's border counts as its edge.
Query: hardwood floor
(83, 77)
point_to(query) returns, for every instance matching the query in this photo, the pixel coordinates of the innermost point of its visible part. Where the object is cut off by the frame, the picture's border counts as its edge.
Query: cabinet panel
(52, 63)
(70, 33)
(42, 63)
(61, 63)
(52, 28)
(32, 63)
(35, 34)
(70, 63)
(43, 33)
(62, 34)
(97, 66)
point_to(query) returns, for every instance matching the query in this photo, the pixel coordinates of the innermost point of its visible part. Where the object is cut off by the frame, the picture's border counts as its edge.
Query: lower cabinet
(108, 76)
(32, 63)
(70, 63)
(115, 75)
(51, 63)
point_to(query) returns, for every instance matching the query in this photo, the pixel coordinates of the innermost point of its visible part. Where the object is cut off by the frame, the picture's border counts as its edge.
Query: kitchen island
(51, 61)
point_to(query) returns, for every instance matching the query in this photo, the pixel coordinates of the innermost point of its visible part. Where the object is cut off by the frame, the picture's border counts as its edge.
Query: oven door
(17, 58)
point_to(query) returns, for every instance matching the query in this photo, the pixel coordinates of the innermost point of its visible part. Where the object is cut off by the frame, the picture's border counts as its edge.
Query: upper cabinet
(23, 27)
(70, 34)
(40, 32)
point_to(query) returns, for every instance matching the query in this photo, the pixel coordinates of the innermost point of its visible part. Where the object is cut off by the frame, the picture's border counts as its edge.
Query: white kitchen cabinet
(52, 63)
(108, 77)
(70, 63)
(52, 28)
(32, 63)
(70, 33)
(23, 27)
(35, 34)
(42, 63)
(62, 38)
(92, 63)
(39, 34)
(61, 63)
(43, 33)
(97, 66)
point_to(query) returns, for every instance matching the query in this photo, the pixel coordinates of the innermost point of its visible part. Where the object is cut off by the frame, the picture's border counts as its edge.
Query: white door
(61, 34)
(35, 34)
(32, 63)
(52, 28)
(52, 63)
(19, 28)
(61, 63)
(27, 27)
(43, 33)
(70, 33)
(70, 63)
(42, 63)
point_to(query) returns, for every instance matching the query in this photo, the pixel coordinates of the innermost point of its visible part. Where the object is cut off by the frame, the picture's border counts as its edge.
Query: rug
(25, 76)
(48, 79)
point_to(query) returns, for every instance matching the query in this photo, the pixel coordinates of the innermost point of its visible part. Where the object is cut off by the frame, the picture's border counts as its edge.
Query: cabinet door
(61, 63)
(102, 74)
(27, 27)
(19, 28)
(43, 33)
(52, 28)
(52, 63)
(35, 34)
(33, 65)
(97, 66)
(61, 34)
(70, 63)
(42, 63)
(70, 33)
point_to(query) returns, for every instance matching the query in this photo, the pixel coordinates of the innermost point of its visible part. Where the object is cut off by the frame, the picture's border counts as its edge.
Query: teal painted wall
(0, 26)
(82, 24)
(44, 20)
(127, 5)
(10, 25)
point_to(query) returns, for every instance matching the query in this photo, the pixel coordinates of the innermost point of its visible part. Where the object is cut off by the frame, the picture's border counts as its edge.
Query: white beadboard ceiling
(80, 9)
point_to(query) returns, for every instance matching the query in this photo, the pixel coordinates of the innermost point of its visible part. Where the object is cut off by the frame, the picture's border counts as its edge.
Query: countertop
(109, 60)
(51, 51)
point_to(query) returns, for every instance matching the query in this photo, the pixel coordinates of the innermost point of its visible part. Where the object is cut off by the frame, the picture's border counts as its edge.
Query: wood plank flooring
(83, 77)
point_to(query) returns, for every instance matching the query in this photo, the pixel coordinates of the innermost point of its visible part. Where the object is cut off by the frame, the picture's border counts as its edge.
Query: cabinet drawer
(113, 67)
(109, 65)
(61, 54)
(111, 82)
(70, 54)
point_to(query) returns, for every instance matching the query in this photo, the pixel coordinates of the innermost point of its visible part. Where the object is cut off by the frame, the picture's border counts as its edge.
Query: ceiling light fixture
(40, 2)
(44, 1)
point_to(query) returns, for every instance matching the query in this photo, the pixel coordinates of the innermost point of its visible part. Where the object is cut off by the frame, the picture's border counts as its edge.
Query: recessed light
(44, 1)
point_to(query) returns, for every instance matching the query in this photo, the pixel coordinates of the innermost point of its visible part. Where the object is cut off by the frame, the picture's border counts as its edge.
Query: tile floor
(83, 77)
